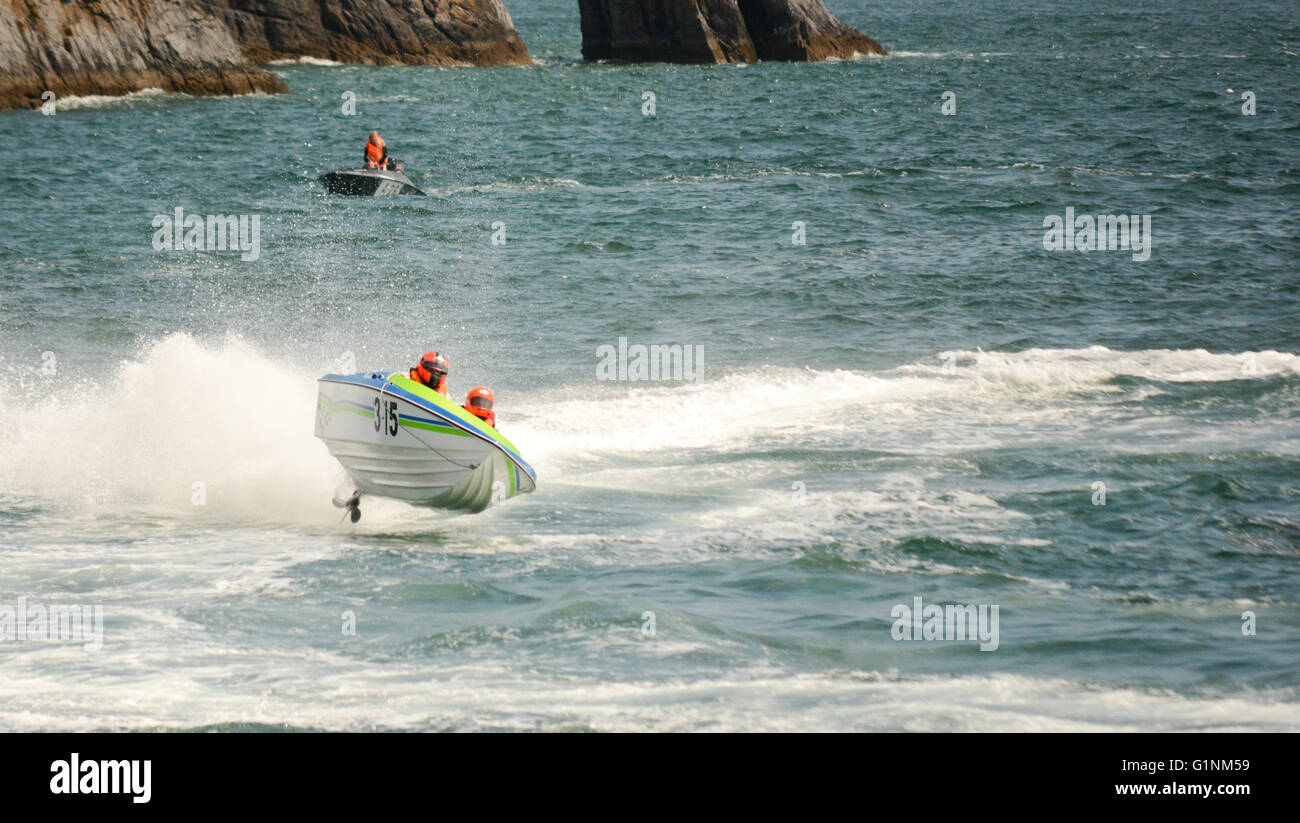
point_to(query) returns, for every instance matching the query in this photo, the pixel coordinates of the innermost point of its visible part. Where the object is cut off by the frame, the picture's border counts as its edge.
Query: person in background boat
(479, 403)
(432, 372)
(377, 153)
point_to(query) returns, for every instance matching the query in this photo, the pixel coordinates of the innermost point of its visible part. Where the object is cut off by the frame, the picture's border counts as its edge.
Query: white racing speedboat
(397, 438)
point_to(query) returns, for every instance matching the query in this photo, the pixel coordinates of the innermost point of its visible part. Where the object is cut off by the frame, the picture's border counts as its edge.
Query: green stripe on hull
(333, 408)
(415, 424)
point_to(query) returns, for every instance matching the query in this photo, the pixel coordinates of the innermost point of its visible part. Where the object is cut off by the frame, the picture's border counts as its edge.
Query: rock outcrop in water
(434, 32)
(677, 31)
(717, 31)
(204, 46)
(802, 30)
(118, 46)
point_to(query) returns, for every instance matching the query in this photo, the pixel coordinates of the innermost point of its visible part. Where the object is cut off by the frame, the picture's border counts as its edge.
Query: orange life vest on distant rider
(375, 153)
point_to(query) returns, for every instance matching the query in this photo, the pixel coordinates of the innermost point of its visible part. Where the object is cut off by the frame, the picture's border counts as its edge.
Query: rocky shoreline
(432, 32)
(114, 47)
(119, 46)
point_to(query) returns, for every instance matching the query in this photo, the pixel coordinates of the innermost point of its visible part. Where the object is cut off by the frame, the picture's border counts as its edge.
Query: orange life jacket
(484, 414)
(375, 153)
(442, 384)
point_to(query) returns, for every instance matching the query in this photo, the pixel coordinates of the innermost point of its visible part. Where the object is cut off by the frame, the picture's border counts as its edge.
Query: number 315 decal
(386, 413)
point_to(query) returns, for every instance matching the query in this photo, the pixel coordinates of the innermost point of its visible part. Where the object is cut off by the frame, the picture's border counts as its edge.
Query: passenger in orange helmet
(479, 403)
(432, 372)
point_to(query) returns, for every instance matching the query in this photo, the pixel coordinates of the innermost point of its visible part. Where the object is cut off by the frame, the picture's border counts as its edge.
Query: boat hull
(399, 439)
(368, 183)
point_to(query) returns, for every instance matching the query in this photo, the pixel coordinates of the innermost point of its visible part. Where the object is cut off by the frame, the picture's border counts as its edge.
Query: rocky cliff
(717, 31)
(206, 46)
(118, 46)
(437, 32)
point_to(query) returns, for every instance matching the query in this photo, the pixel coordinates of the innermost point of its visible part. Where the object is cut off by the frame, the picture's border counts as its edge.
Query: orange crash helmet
(479, 403)
(432, 371)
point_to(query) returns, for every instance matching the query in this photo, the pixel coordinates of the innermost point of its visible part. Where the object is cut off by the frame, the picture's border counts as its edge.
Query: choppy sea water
(919, 400)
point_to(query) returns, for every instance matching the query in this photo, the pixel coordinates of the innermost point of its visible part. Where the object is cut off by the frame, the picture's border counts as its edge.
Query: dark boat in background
(368, 182)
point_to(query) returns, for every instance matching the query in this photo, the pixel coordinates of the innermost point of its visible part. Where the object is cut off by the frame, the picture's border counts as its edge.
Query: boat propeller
(352, 504)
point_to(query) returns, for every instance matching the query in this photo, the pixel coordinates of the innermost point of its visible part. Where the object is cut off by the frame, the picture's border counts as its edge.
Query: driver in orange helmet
(479, 403)
(432, 372)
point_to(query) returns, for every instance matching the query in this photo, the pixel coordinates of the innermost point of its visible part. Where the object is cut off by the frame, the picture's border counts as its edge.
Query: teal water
(915, 403)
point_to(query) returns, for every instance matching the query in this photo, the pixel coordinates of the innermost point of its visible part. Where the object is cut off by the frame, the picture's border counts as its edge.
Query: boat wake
(186, 430)
(223, 431)
(961, 393)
